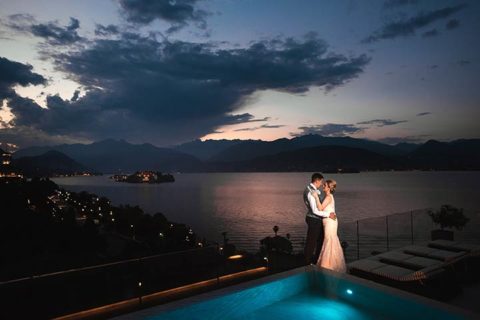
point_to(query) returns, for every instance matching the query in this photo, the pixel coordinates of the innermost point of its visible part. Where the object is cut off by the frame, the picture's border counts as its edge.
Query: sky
(172, 71)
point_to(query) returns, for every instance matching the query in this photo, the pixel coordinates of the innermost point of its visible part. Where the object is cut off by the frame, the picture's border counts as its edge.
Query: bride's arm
(320, 205)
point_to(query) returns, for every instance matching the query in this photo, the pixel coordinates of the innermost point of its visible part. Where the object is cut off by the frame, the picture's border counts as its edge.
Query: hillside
(323, 158)
(110, 156)
(461, 154)
(50, 163)
(256, 148)
(205, 150)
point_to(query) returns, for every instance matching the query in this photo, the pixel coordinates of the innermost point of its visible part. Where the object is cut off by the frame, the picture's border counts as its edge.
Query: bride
(331, 255)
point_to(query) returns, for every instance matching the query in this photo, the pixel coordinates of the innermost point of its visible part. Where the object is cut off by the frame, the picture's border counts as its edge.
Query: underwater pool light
(349, 291)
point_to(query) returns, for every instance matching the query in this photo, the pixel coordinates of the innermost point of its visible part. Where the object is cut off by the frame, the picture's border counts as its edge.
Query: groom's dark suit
(314, 219)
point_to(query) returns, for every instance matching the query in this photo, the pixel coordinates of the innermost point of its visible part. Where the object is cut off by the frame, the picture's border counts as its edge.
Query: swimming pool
(306, 292)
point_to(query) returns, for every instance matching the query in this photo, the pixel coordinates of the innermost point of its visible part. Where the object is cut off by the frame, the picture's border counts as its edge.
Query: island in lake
(144, 177)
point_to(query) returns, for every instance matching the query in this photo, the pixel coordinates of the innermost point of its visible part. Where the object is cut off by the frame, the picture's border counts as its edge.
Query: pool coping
(141, 314)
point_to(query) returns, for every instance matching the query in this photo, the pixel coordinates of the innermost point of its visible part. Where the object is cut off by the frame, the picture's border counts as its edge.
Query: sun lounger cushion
(395, 255)
(455, 246)
(424, 262)
(366, 264)
(409, 261)
(393, 272)
(433, 253)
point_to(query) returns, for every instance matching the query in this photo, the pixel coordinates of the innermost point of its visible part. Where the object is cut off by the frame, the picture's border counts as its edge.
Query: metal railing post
(358, 242)
(411, 225)
(218, 263)
(139, 280)
(388, 240)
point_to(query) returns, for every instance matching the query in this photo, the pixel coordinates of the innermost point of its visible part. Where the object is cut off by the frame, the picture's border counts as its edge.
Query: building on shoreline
(7, 170)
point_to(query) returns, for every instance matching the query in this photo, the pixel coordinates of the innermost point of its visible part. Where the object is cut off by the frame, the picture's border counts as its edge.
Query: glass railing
(365, 237)
(65, 292)
(51, 295)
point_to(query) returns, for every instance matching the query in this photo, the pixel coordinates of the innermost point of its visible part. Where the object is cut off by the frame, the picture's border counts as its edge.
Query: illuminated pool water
(303, 293)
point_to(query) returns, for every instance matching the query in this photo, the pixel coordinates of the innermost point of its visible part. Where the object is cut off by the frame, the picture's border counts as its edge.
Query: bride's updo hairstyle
(332, 185)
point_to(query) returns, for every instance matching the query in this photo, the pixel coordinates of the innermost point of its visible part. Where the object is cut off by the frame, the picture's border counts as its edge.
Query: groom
(314, 241)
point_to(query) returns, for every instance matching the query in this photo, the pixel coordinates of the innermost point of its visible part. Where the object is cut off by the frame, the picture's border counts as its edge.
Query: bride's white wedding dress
(331, 257)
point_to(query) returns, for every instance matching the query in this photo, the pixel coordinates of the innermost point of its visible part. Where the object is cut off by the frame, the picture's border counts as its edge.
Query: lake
(248, 205)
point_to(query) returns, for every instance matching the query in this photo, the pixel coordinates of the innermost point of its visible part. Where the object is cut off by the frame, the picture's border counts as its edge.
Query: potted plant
(447, 217)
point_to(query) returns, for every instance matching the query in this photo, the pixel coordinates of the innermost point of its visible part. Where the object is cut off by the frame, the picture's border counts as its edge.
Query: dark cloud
(272, 126)
(409, 26)
(101, 30)
(381, 122)
(389, 4)
(452, 24)
(169, 92)
(329, 130)
(52, 32)
(430, 33)
(259, 120)
(75, 96)
(177, 12)
(421, 114)
(28, 136)
(265, 126)
(15, 73)
(463, 62)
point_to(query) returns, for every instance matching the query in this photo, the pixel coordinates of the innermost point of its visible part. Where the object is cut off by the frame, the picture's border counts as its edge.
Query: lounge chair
(393, 272)
(421, 270)
(408, 261)
(472, 251)
(456, 246)
(434, 253)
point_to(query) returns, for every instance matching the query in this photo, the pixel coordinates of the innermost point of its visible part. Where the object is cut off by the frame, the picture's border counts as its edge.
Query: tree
(275, 229)
(449, 217)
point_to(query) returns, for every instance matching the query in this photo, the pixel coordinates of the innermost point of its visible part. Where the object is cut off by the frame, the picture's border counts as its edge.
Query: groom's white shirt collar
(313, 186)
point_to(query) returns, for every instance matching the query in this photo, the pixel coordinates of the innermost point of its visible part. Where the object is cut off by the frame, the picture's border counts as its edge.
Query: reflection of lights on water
(349, 291)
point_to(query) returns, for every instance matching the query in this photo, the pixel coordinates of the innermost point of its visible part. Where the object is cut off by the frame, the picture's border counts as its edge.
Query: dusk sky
(171, 71)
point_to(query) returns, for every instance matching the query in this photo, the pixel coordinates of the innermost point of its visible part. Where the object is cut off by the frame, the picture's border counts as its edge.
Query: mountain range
(304, 153)
(111, 156)
(48, 164)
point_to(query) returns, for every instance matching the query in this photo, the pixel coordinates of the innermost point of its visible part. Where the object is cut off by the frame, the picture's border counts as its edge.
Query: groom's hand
(333, 216)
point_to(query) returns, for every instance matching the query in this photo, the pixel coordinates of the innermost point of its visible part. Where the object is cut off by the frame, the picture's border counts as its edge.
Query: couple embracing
(322, 245)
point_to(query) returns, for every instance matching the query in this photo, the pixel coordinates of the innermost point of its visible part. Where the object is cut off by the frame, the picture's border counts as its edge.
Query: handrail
(99, 266)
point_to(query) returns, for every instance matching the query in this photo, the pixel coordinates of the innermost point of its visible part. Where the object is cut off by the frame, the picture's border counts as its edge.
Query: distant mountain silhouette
(461, 154)
(111, 156)
(406, 147)
(48, 164)
(255, 148)
(205, 150)
(323, 158)
(115, 156)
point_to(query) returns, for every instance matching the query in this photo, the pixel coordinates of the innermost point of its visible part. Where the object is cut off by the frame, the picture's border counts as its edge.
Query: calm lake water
(248, 205)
